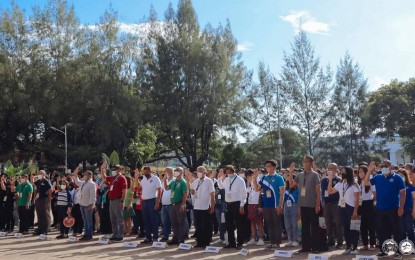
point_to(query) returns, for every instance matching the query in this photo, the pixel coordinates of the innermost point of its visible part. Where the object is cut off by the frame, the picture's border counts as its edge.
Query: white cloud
(305, 21)
(377, 82)
(246, 46)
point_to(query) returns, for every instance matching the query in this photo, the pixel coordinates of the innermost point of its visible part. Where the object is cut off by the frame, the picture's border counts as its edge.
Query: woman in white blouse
(349, 192)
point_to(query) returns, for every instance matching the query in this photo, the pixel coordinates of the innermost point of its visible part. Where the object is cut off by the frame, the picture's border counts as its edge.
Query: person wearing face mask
(63, 207)
(151, 197)
(117, 185)
(166, 205)
(254, 213)
(43, 195)
(76, 209)
(24, 193)
(178, 197)
(331, 208)
(203, 192)
(235, 198)
(390, 200)
(9, 189)
(87, 202)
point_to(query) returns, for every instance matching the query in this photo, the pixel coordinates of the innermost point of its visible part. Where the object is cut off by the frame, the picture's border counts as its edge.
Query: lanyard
(113, 182)
(82, 186)
(344, 191)
(230, 186)
(199, 184)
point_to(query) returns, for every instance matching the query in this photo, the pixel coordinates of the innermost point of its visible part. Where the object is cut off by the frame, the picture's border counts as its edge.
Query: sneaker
(381, 254)
(164, 239)
(295, 244)
(239, 247)
(260, 242)
(289, 243)
(339, 246)
(273, 246)
(354, 252)
(224, 242)
(397, 256)
(118, 239)
(347, 251)
(251, 242)
(229, 246)
(170, 243)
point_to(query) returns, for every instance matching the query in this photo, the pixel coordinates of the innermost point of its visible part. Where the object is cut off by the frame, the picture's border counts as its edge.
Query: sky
(378, 34)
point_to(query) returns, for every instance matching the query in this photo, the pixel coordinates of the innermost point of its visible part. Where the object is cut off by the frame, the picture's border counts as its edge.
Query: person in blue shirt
(407, 220)
(273, 188)
(291, 213)
(331, 209)
(390, 201)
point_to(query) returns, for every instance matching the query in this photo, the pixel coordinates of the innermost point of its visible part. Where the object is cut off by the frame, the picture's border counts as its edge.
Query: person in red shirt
(117, 185)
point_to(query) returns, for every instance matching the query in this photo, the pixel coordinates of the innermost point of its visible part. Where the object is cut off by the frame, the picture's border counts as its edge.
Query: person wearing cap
(23, 195)
(151, 197)
(178, 197)
(43, 195)
(203, 192)
(87, 202)
(166, 205)
(117, 185)
(235, 198)
(390, 200)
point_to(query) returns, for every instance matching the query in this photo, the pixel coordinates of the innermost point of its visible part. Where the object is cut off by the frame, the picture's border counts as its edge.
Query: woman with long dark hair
(366, 210)
(349, 193)
(407, 221)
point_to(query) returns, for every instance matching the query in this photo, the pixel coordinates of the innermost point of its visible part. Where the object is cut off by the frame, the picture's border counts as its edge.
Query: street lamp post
(66, 142)
(279, 125)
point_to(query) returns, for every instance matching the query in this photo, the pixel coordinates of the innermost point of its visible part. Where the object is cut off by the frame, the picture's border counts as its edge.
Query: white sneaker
(354, 252)
(289, 243)
(347, 251)
(225, 242)
(260, 242)
(251, 242)
(295, 244)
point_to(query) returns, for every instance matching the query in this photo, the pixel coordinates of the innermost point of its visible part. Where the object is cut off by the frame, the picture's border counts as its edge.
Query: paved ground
(29, 247)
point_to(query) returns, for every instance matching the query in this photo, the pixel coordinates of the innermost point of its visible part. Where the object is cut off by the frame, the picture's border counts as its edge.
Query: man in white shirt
(151, 196)
(88, 198)
(165, 206)
(235, 198)
(203, 192)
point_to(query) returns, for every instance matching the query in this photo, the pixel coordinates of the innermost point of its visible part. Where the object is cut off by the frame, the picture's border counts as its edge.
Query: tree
(142, 147)
(193, 80)
(306, 87)
(348, 100)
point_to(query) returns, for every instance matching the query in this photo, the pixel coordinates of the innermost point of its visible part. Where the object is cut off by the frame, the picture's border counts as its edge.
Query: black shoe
(173, 242)
(61, 236)
(316, 251)
(37, 233)
(85, 238)
(239, 247)
(193, 236)
(381, 255)
(229, 246)
(199, 245)
(112, 238)
(118, 239)
(301, 251)
(146, 241)
(164, 239)
(339, 246)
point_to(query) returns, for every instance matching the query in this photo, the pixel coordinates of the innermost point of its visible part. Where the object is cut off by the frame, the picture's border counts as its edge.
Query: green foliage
(114, 158)
(142, 147)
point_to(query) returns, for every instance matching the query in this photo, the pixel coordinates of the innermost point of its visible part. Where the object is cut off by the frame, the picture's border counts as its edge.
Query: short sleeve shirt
(203, 190)
(117, 185)
(409, 200)
(271, 188)
(23, 190)
(388, 191)
(307, 183)
(347, 192)
(150, 187)
(43, 186)
(330, 198)
(178, 188)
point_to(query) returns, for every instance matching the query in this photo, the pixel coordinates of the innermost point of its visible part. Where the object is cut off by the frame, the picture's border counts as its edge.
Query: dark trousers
(105, 221)
(32, 215)
(2, 216)
(9, 218)
(24, 217)
(203, 225)
(274, 225)
(61, 211)
(407, 225)
(367, 226)
(151, 219)
(79, 222)
(351, 236)
(43, 215)
(138, 221)
(310, 229)
(333, 223)
(388, 225)
(234, 220)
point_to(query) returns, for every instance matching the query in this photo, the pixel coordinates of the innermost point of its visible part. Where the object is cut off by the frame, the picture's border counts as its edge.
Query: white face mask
(385, 171)
(199, 174)
(23, 180)
(242, 175)
(114, 173)
(176, 173)
(63, 187)
(231, 175)
(39, 177)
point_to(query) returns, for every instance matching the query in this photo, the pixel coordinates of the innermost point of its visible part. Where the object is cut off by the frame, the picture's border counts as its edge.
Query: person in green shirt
(178, 198)
(24, 193)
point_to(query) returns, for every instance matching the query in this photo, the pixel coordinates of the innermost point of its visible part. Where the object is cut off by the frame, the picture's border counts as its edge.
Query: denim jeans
(351, 236)
(87, 218)
(165, 220)
(407, 225)
(222, 226)
(150, 219)
(290, 220)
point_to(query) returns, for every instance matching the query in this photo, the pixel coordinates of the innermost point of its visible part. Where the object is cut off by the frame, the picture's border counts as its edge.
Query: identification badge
(343, 203)
(20, 194)
(303, 192)
(289, 203)
(5, 199)
(326, 193)
(219, 197)
(138, 202)
(102, 205)
(195, 195)
(268, 192)
(229, 195)
(37, 196)
(172, 194)
(111, 187)
(360, 201)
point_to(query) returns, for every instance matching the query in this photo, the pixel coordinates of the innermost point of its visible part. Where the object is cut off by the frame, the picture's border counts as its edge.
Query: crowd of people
(307, 206)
